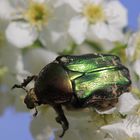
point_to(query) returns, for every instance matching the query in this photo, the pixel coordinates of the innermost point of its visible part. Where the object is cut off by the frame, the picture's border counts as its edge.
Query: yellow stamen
(94, 13)
(37, 14)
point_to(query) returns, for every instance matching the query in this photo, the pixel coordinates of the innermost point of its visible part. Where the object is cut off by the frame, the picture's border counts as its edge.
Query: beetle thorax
(31, 99)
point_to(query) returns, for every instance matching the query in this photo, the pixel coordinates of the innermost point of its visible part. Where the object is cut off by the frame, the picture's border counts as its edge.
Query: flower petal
(125, 129)
(77, 5)
(116, 14)
(137, 66)
(110, 111)
(58, 3)
(127, 103)
(116, 131)
(131, 45)
(6, 9)
(21, 72)
(95, 1)
(55, 41)
(133, 49)
(78, 28)
(105, 31)
(131, 124)
(36, 59)
(21, 34)
(39, 1)
(9, 57)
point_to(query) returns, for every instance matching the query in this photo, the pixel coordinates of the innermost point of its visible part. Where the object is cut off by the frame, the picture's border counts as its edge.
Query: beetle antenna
(25, 89)
(19, 86)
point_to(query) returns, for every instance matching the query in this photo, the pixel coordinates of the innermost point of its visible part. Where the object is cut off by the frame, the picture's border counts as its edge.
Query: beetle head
(31, 99)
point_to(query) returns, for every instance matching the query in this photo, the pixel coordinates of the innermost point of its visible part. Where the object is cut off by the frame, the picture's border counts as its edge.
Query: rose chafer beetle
(95, 80)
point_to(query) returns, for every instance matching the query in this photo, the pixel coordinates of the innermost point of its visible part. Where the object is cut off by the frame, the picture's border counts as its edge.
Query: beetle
(78, 81)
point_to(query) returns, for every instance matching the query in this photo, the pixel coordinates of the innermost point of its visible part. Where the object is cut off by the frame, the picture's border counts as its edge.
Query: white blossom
(137, 66)
(55, 24)
(21, 34)
(127, 103)
(105, 19)
(133, 52)
(81, 125)
(28, 20)
(133, 49)
(10, 58)
(126, 129)
(6, 9)
(36, 59)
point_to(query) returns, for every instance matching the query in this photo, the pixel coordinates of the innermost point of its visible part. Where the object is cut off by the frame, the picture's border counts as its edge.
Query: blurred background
(19, 58)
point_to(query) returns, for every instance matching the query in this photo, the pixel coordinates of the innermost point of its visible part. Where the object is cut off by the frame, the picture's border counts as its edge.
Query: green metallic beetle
(95, 80)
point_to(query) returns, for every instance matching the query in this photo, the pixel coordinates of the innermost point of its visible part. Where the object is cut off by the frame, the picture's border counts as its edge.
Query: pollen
(37, 14)
(94, 13)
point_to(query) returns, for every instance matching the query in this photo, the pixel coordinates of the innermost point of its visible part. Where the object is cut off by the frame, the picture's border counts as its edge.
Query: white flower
(21, 34)
(81, 126)
(21, 72)
(136, 66)
(27, 20)
(105, 19)
(36, 59)
(127, 103)
(10, 58)
(55, 36)
(6, 9)
(133, 49)
(127, 129)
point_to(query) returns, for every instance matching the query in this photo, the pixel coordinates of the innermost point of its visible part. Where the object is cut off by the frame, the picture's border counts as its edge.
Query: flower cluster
(35, 32)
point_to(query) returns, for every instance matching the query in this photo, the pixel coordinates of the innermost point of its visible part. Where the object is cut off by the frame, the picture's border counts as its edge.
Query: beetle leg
(25, 82)
(61, 119)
